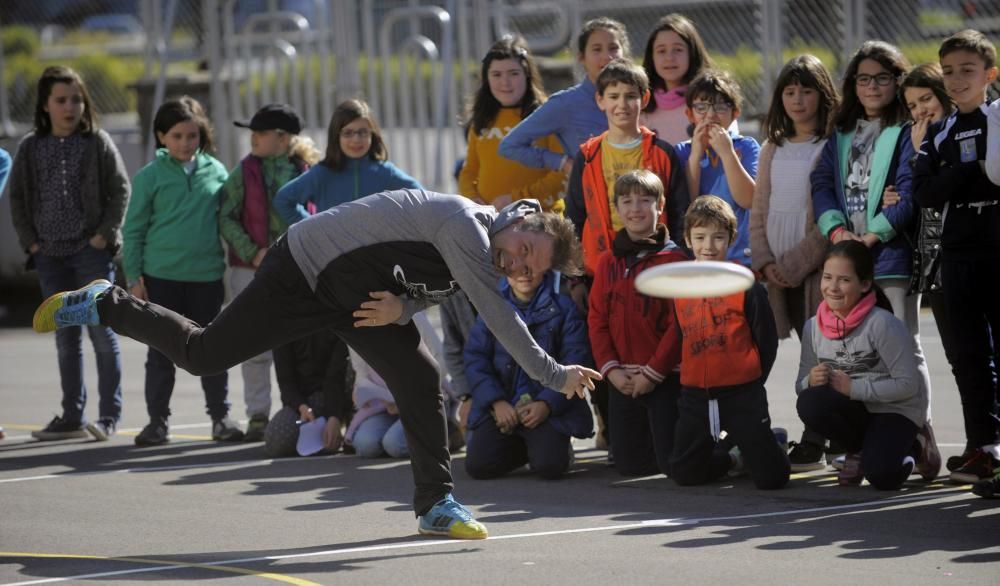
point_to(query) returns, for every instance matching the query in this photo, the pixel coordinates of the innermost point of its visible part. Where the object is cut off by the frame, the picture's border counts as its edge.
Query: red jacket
(587, 200)
(627, 327)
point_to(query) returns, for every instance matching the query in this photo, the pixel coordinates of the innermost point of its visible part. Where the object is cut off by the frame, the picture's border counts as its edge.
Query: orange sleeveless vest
(598, 232)
(717, 348)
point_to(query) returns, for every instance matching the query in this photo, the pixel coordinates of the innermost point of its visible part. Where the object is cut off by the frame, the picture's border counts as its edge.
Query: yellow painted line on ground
(164, 565)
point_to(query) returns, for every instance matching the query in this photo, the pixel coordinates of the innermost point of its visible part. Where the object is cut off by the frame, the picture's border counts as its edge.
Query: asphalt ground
(82, 511)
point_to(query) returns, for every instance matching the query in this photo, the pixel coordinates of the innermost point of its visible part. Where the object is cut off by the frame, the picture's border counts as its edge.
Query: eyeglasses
(717, 107)
(363, 134)
(882, 79)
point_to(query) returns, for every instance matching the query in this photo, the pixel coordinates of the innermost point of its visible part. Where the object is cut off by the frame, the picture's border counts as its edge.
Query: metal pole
(162, 49)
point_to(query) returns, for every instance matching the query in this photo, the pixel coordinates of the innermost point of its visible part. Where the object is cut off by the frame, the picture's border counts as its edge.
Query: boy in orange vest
(728, 346)
(622, 93)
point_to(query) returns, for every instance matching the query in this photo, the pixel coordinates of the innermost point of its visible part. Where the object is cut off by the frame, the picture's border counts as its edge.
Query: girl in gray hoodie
(858, 381)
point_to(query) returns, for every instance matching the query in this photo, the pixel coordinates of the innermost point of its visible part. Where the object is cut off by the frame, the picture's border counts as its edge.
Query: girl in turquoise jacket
(173, 255)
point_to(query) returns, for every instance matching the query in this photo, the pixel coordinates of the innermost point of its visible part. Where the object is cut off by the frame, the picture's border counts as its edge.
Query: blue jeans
(381, 434)
(64, 273)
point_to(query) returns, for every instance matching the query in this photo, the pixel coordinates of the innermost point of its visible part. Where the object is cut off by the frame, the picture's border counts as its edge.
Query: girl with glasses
(866, 161)
(356, 164)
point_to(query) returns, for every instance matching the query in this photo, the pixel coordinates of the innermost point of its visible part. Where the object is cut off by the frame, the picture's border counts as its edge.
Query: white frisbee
(690, 279)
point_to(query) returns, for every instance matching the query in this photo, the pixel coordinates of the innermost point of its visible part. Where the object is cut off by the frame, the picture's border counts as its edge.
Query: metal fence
(414, 61)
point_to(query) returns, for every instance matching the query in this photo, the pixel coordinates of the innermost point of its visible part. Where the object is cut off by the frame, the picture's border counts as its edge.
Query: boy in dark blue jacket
(949, 175)
(515, 420)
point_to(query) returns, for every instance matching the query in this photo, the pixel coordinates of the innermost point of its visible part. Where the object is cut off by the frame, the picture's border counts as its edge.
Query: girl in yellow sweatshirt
(509, 92)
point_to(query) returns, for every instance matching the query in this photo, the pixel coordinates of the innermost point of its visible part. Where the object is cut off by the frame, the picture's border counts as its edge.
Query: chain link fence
(119, 47)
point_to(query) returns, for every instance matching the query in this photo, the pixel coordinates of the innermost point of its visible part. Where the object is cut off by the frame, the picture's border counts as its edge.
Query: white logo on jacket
(420, 290)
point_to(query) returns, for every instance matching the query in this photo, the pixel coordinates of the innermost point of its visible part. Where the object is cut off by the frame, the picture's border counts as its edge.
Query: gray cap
(513, 212)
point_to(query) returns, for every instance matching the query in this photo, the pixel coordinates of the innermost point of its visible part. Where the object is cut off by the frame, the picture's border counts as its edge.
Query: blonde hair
(304, 148)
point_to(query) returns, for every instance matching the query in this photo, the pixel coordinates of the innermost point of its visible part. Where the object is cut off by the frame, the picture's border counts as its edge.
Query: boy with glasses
(717, 160)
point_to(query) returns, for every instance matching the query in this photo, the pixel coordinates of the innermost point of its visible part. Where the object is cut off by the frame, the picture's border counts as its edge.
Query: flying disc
(690, 279)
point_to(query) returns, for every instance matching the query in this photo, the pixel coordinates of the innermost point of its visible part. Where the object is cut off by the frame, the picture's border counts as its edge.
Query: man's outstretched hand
(578, 380)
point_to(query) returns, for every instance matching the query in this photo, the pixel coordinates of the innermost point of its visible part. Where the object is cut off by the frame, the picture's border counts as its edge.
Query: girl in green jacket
(173, 255)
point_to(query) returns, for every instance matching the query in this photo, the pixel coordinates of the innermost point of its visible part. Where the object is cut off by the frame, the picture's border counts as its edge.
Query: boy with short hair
(513, 419)
(949, 174)
(622, 92)
(634, 337)
(716, 159)
(728, 345)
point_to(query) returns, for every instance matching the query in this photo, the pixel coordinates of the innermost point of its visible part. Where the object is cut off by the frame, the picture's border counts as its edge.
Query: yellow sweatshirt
(486, 175)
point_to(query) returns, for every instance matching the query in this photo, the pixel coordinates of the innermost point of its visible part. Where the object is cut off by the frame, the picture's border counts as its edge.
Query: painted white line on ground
(457, 542)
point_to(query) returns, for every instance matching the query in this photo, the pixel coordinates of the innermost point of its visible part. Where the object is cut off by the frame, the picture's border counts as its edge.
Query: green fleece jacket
(171, 227)
(277, 172)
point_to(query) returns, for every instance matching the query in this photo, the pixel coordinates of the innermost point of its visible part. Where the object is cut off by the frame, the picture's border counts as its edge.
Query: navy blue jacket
(948, 173)
(893, 253)
(560, 330)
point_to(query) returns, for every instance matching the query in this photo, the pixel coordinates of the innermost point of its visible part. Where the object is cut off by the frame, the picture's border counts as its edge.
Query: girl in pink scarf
(858, 380)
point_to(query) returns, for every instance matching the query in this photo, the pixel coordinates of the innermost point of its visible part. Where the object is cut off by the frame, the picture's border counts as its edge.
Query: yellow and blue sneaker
(449, 519)
(70, 308)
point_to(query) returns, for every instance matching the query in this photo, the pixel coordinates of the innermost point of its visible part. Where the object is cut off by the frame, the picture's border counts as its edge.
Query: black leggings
(883, 439)
(278, 307)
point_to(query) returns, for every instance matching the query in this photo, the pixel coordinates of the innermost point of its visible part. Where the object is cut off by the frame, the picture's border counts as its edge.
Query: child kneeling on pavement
(514, 420)
(728, 347)
(858, 381)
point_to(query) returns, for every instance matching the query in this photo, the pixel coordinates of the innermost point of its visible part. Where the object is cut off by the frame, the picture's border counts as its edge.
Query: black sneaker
(255, 429)
(154, 434)
(806, 456)
(988, 489)
(226, 430)
(103, 428)
(955, 462)
(979, 467)
(60, 429)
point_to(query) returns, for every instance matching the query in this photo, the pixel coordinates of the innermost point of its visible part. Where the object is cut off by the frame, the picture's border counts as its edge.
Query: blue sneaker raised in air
(450, 519)
(70, 308)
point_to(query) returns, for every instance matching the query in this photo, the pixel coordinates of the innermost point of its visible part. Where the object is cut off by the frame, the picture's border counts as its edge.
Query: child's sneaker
(929, 458)
(60, 429)
(955, 462)
(226, 430)
(908, 465)
(989, 489)
(255, 429)
(805, 456)
(737, 466)
(978, 467)
(70, 308)
(851, 474)
(835, 453)
(781, 436)
(449, 519)
(103, 428)
(154, 434)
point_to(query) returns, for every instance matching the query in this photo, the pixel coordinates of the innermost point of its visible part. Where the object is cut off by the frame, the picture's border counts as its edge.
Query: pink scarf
(834, 328)
(670, 99)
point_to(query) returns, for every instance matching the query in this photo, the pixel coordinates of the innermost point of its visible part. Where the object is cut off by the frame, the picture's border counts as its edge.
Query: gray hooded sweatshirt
(423, 246)
(880, 358)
